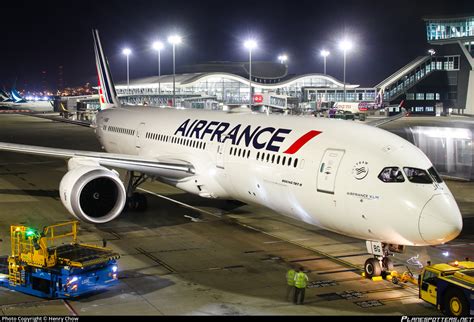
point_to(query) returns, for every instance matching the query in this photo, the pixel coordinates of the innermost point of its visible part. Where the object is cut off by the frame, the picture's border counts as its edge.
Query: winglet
(107, 94)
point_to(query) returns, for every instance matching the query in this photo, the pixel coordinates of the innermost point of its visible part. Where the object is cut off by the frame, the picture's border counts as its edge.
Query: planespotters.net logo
(436, 319)
(360, 170)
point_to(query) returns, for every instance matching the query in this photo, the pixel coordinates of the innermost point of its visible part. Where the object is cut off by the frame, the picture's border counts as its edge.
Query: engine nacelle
(93, 193)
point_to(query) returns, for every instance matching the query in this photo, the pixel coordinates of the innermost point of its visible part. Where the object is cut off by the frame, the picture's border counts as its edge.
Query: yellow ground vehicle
(450, 287)
(52, 264)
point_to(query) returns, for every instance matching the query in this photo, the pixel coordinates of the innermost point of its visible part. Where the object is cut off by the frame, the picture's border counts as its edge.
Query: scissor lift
(52, 264)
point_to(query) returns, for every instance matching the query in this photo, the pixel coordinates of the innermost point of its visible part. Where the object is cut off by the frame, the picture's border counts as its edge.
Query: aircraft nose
(440, 220)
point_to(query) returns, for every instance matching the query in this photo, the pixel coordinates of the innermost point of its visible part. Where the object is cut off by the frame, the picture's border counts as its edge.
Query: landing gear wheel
(372, 268)
(141, 202)
(387, 264)
(136, 202)
(455, 304)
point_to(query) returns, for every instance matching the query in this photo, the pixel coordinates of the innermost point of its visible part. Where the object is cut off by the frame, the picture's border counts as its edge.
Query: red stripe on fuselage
(302, 141)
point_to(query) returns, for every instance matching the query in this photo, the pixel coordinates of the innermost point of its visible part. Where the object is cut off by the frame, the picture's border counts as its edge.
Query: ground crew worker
(301, 280)
(290, 279)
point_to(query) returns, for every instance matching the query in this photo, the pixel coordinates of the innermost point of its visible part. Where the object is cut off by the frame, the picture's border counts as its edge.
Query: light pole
(325, 54)
(127, 53)
(345, 45)
(250, 44)
(158, 46)
(174, 40)
(282, 58)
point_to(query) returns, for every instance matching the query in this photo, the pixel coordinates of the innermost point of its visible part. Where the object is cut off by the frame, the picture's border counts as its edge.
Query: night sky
(42, 35)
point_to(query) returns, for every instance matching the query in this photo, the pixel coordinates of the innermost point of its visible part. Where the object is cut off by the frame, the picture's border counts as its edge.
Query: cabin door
(139, 136)
(327, 171)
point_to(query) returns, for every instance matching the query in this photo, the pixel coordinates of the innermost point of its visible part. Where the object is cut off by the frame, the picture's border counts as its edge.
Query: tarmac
(188, 255)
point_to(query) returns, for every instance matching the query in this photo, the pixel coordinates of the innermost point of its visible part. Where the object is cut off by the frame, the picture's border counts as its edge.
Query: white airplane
(16, 101)
(348, 178)
(4, 96)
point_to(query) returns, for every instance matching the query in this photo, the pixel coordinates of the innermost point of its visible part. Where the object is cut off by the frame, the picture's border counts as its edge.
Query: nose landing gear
(381, 262)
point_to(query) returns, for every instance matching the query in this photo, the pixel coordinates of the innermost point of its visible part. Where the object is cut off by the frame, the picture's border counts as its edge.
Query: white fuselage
(34, 106)
(333, 184)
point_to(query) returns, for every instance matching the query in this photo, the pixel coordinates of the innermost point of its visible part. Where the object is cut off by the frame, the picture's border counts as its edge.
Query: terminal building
(443, 80)
(440, 82)
(227, 83)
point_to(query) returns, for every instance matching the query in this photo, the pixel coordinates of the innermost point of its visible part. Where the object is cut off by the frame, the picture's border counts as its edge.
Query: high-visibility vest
(300, 280)
(290, 277)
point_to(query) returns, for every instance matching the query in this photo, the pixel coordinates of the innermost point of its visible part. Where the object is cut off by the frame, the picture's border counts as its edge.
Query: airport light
(345, 45)
(282, 58)
(127, 52)
(158, 46)
(431, 51)
(325, 53)
(174, 40)
(250, 44)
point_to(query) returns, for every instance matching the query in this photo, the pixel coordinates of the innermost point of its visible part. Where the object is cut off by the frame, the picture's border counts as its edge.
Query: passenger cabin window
(417, 175)
(391, 174)
(432, 171)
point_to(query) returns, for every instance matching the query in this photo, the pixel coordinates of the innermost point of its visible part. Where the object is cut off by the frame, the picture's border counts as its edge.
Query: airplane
(4, 97)
(16, 101)
(349, 178)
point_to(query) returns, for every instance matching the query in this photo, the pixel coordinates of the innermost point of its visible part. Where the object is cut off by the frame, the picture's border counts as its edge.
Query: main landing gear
(381, 263)
(135, 201)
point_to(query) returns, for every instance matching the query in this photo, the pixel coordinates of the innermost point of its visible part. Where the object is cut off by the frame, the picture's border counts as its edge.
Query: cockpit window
(435, 175)
(391, 174)
(417, 175)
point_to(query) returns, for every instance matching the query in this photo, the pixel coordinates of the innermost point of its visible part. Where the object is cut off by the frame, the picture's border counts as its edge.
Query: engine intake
(93, 194)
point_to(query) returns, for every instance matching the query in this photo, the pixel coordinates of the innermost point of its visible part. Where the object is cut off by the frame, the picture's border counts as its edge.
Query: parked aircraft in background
(17, 102)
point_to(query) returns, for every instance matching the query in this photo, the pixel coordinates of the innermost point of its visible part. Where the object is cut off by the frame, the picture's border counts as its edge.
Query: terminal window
(450, 28)
(420, 96)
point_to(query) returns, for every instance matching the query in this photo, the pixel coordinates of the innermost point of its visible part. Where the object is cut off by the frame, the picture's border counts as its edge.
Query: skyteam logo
(360, 170)
(268, 138)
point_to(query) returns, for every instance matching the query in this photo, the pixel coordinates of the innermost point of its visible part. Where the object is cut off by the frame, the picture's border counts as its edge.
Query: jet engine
(93, 194)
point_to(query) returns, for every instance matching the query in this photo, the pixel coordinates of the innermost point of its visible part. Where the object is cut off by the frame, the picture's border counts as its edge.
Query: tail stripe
(107, 93)
(103, 88)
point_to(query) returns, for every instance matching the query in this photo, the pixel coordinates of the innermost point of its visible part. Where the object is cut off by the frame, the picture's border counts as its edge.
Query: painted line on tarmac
(70, 308)
(321, 253)
(180, 203)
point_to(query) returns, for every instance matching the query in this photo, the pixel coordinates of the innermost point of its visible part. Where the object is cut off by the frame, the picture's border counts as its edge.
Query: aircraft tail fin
(16, 96)
(107, 95)
(4, 97)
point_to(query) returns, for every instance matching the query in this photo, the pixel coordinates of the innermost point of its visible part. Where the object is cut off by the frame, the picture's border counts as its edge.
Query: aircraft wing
(61, 119)
(173, 169)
